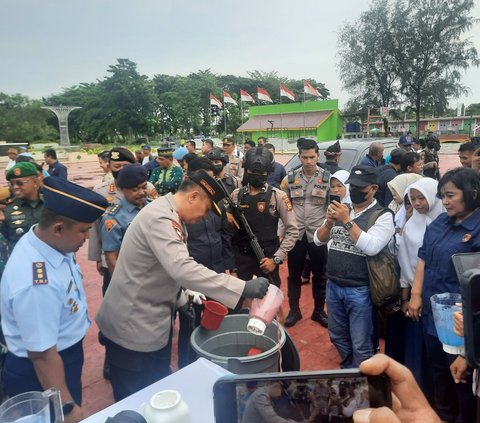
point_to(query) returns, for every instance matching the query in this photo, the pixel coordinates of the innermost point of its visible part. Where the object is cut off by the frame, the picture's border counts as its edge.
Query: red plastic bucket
(213, 315)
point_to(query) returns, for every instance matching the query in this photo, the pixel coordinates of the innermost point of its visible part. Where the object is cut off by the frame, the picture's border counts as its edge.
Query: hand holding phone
(410, 400)
(297, 396)
(334, 197)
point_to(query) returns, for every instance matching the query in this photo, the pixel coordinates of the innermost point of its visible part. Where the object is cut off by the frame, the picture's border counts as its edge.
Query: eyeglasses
(19, 183)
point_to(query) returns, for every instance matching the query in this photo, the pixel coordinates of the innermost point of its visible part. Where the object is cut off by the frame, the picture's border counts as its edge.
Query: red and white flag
(214, 101)
(244, 96)
(262, 94)
(308, 89)
(227, 98)
(286, 92)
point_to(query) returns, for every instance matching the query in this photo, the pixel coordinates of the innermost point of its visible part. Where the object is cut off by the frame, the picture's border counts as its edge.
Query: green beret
(21, 170)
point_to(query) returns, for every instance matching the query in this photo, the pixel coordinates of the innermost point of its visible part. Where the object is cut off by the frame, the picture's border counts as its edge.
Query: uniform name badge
(39, 273)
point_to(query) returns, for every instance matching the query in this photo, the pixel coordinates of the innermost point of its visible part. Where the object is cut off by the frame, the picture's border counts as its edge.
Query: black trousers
(248, 266)
(19, 374)
(131, 371)
(296, 260)
(453, 402)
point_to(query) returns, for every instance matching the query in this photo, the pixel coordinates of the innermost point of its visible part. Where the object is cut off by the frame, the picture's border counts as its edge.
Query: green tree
(367, 68)
(429, 49)
(22, 119)
(473, 109)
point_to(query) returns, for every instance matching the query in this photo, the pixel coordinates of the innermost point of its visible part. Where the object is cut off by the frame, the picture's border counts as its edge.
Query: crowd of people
(167, 230)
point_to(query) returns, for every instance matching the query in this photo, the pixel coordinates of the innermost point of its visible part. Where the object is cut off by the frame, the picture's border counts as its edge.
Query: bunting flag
(262, 94)
(227, 98)
(308, 89)
(286, 92)
(244, 96)
(214, 101)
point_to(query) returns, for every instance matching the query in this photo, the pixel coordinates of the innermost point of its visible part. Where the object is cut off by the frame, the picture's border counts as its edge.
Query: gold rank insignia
(110, 224)
(466, 238)
(39, 273)
(111, 188)
(16, 212)
(17, 222)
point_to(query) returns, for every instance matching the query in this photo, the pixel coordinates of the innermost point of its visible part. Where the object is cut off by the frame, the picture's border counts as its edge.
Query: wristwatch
(67, 408)
(276, 260)
(348, 225)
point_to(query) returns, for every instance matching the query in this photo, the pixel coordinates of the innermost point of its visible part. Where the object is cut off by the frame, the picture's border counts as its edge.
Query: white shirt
(376, 238)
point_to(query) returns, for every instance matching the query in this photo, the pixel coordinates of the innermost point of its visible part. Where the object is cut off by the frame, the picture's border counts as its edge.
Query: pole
(281, 118)
(368, 121)
(241, 111)
(304, 128)
(225, 118)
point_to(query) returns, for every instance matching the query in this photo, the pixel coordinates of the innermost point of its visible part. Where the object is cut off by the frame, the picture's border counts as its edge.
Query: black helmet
(259, 159)
(218, 153)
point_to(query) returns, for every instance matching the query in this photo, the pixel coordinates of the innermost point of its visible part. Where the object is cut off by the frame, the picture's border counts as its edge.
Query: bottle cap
(256, 326)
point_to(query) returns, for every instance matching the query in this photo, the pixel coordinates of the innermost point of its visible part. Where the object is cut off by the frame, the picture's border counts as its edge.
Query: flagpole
(225, 116)
(241, 111)
(281, 115)
(304, 128)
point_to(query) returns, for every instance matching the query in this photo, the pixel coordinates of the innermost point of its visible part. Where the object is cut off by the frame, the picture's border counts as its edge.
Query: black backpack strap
(376, 214)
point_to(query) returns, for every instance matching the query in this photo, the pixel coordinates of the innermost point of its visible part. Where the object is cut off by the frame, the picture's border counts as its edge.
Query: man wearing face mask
(220, 159)
(263, 206)
(350, 308)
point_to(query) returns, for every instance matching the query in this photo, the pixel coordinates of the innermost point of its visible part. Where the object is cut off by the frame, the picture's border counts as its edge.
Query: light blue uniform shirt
(42, 299)
(115, 223)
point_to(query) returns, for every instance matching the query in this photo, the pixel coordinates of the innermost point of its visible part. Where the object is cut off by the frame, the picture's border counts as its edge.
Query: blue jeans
(350, 324)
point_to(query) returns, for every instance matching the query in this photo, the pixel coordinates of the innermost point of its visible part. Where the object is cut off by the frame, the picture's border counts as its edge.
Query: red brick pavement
(311, 340)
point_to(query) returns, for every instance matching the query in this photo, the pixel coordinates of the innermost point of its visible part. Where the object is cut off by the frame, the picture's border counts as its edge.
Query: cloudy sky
(49, 45)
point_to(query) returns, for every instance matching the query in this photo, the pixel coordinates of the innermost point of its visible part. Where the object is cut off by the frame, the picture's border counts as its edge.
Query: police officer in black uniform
(263, 207)
(220, 159)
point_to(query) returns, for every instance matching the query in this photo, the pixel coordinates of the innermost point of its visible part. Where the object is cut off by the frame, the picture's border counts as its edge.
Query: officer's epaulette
(112, 210)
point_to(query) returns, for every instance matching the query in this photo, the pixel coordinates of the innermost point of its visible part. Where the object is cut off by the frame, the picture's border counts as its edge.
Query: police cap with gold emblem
(121, 154)
(22, 170)
(210, 186)
(72, 200)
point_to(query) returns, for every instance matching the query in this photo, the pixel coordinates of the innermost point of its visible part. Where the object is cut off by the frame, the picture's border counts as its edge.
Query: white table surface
(194, 382)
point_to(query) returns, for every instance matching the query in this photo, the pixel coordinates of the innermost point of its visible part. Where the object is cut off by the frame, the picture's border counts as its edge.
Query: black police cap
(362, 176)
(121, 154)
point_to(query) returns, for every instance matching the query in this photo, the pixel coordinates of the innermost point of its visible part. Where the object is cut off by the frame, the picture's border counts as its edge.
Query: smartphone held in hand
(298, 396)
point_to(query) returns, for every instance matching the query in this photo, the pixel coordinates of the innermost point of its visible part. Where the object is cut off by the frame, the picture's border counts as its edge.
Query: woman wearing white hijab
(426, 208)
(398, 186)
(339, 187)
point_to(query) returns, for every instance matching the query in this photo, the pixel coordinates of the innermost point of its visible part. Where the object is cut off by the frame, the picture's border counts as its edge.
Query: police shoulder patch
(178, 230)
(288, 203)
(110, 224)
(39, 273)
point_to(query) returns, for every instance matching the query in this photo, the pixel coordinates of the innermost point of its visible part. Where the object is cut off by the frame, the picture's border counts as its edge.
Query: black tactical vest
(263, 224)
(347, 265)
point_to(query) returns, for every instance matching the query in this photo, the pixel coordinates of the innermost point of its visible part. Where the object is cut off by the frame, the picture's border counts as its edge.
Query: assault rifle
(257, 249)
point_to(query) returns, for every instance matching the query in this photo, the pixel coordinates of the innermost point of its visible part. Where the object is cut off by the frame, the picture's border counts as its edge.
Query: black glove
(256, 288)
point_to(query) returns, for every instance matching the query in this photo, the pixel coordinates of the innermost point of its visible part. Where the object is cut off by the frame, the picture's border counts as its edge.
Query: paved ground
(311, 340)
